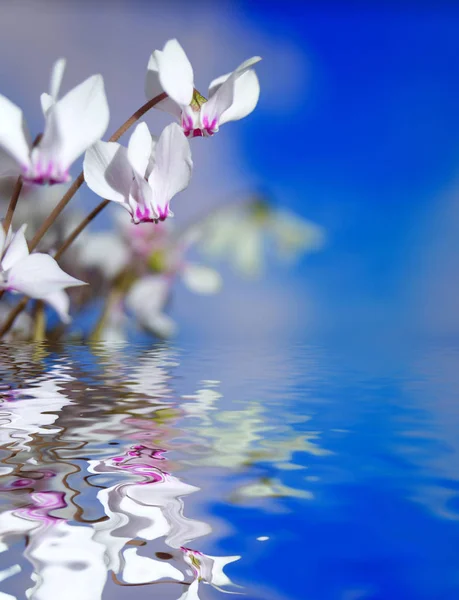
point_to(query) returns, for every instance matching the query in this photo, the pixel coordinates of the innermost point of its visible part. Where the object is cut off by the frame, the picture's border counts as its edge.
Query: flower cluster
(143, 177)
(134, 268)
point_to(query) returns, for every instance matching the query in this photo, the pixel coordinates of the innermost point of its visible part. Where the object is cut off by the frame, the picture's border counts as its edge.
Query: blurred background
(357, 131)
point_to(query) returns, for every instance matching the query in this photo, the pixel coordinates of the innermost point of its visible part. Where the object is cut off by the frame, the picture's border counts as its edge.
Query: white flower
(72, 124)
(244, 233)
(35, 275)
(143, 177)
(231, 97)
(147, 300)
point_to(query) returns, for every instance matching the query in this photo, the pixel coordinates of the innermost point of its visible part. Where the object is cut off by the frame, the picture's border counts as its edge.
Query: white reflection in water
(57, 438)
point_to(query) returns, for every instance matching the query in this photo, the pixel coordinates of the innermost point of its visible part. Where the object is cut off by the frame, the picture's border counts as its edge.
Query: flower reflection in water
(90, 514)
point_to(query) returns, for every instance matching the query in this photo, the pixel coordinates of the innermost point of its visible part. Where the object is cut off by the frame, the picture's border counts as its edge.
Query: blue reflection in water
(138, 472)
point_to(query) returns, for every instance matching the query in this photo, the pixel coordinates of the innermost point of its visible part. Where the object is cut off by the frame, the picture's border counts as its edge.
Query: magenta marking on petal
(163, 212)
(20, 483)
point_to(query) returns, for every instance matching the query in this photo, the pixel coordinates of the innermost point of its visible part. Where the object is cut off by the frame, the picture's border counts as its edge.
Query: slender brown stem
(56, 211)
(76, 232)
(80, 179)
(136, 116)
(17, 310)
(12, 205)
(66, 199)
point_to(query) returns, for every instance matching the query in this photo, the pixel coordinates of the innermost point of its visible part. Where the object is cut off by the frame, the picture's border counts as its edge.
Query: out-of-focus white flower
(241, 234)
(147, 300)
(231, 96)
(143, 177)
(35, 275)
(72, 124)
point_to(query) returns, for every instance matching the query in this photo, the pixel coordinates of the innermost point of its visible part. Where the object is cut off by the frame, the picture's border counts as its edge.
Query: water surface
(305, 474)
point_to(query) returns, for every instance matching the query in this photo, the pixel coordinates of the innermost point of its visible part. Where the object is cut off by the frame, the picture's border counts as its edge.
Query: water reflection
(134, 472)
(87, 489)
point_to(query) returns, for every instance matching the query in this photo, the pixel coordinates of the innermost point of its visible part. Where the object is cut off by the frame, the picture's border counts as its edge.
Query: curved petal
(153, 87)
(8, 165)
(147, 299)
(38, 276)
(60, 301)
(201, 279)
(242, 68)
(107, 171)
(13, 136)
(46, 101)
(17, 249)
(232, 96)
(172, 171)
(140, 148)
(57, 75)
(140, 201)
(245, 97)
(74, 123)
(175, 73)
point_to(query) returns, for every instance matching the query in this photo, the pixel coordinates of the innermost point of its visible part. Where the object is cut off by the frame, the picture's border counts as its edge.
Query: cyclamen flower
(231, 97)
(72, 124)
(35, 275)
(143, 177)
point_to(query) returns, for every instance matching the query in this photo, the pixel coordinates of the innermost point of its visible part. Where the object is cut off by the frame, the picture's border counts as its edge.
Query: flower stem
(17, 310)
(12, 205)
(80, 179)
(76, 232)
(39, 327)
(66, 199)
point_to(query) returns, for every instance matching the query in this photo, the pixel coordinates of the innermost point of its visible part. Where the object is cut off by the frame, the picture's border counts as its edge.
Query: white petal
(57, 75)
(148, 296)
(140, 148)
(233, 96)
(172, 171)
(216, 83)
(107, 171)
(175, 73)
(46, 101)
(245, 97)
(75, 123)
(147, 299)
(60, 301)
(153, 87)
(247, 252)
(8, 165)
(38, 276)
(13, 136)
(201, 279)
(2, 239)
(17, 249)
(106, 251)
(161, 325)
